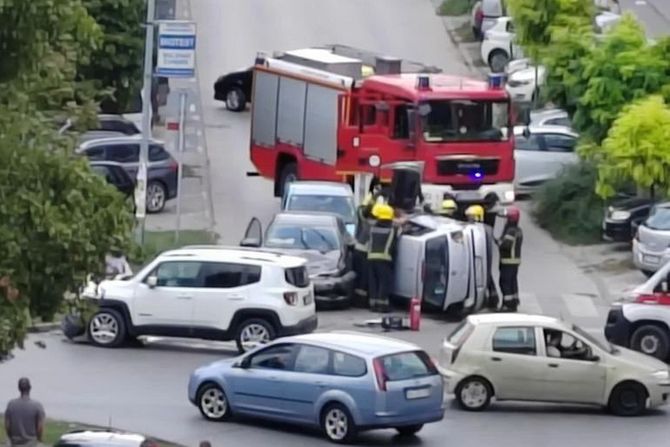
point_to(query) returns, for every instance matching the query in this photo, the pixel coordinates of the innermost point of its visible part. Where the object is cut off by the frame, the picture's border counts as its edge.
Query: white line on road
(528, 303)
(580, 305)
(640, 2)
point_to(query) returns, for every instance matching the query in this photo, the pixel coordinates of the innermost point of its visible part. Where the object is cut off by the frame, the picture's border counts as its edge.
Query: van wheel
(252, 333)
(651, 340)
(289, 174)
(474, 394)
(628, 399)
(337, 424)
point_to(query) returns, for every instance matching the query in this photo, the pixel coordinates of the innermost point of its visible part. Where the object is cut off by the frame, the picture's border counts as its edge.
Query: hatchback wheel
(628, 399)
(474, 394)
(236, 100)
(409, 430)
(107, 329)
(252, 333)
(156, 197)
(651, 340)
(337, 424)
(213, 403)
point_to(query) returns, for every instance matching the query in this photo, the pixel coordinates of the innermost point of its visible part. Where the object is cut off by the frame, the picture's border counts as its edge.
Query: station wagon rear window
(407, 365)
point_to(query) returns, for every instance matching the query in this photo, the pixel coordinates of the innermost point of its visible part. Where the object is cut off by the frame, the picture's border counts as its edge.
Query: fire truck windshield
(464, 120)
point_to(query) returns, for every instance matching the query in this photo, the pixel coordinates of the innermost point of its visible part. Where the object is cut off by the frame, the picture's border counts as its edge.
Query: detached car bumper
(73, 326)
(329, 290)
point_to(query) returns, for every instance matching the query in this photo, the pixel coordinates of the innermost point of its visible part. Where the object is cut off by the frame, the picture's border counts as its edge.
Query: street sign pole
(180, 161)
(141, 188)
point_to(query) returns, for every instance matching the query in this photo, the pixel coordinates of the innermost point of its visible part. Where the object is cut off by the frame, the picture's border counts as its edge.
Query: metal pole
(141, 188)
(180, 161)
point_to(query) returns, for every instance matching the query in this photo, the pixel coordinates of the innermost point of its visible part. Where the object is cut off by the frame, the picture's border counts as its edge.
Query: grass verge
(455, 7)
(53, 430)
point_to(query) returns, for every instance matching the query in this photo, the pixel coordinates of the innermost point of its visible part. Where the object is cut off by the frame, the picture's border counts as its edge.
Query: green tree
(116, 65)
(623, 67)
(636, 148)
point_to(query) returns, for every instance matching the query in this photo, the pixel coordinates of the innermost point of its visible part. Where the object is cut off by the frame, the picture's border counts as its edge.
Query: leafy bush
(568, 206)
(455, 7)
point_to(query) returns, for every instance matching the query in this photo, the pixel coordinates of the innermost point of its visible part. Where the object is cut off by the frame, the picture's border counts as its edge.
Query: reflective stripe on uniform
(512, 260)
(386, 254)
(361, 247)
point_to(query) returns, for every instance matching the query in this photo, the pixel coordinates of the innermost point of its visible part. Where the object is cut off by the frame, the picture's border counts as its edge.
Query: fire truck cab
(329, 113)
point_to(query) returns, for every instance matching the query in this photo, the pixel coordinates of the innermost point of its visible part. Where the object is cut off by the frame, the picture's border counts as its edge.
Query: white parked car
(498, 46)
(205, 292)
(522, 84)
(641, 319)
(651, 244)
(540, 153)
(537, 358)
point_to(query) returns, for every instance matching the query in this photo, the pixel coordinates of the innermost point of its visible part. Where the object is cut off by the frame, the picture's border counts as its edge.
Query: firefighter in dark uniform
(381, 250)
(476, 213)
(509, 246)
(360, 255)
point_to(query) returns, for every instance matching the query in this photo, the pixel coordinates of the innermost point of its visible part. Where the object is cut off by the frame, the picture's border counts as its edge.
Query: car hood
(110, 288)
(637, 360)
(317, 263)
(527, 74)
(654, 239)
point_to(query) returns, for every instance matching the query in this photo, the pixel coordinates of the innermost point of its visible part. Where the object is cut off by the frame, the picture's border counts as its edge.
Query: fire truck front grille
(468, 166)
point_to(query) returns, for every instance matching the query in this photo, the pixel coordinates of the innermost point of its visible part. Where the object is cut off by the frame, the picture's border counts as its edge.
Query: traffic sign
(176, 49)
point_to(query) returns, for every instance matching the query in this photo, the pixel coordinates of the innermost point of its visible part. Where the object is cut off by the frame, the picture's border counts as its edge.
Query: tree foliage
(636, 148)
(57, 217)
(115, 67)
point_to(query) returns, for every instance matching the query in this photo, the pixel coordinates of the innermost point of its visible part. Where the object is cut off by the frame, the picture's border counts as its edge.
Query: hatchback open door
(253, 237)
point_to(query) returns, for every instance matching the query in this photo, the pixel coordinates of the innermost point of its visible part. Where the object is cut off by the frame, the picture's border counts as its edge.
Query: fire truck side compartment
(291, 114)
(266, 86)
(321, 124)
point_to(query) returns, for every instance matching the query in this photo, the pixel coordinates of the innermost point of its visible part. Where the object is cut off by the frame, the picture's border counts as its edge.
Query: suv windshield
(465, 120)
(342, 206)
(659, 219)
(323, 239)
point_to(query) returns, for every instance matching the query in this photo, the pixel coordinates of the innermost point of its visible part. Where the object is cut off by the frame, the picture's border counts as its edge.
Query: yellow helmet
(448, 205)
(476, 212)
(382, 211)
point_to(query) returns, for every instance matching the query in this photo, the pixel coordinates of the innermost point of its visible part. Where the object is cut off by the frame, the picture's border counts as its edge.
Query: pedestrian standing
(360, 256)
(381, 252)
(24, 418)
(510, 259)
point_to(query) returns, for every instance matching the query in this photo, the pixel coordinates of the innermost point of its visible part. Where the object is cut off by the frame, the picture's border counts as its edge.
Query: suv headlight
(619, 215)
(662, 374)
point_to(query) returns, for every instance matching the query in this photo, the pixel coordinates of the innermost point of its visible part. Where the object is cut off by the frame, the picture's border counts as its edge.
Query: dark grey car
(162, 171)
(321, 239)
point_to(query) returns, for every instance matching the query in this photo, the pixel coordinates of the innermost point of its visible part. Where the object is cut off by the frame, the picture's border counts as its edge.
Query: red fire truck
(330, 112)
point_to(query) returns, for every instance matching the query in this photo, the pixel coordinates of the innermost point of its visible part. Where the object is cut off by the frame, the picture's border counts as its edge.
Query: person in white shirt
(116, 264)
(553, 344)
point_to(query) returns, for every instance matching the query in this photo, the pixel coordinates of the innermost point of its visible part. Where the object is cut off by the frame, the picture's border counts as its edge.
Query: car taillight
(380, 374)
(174, 166)
(291, 298)
(653, 299)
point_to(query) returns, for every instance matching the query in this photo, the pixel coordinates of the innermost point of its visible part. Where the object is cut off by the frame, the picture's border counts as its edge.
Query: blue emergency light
(476, 175)
(497, 80)
(423, 82)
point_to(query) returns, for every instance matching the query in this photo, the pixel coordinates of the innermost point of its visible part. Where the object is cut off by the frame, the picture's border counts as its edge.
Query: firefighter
(360, 255)
(381, 250)
(448, 208)
(475, 214)
(510, 258)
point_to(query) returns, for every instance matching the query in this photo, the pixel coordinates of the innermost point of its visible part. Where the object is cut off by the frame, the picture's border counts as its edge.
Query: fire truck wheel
(289, 173)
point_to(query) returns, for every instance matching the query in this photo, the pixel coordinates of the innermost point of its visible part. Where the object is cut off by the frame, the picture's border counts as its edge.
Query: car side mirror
(250, 242)
(152, 281)
(245, 363)
(526, 132)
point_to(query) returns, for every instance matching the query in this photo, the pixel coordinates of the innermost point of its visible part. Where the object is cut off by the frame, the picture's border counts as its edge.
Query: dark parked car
(112, 124)
(116, 175)
(162, 170)
(623, 217)
(234, 89)
(323, 240)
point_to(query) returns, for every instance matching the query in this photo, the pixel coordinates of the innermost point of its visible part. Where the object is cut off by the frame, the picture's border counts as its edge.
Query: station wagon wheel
(474, 394)
(651, 340)
(337, 424)
(628, 399)
(156, 197)
(107, 329)
(236, 100)
(252, 333)
(213, 403)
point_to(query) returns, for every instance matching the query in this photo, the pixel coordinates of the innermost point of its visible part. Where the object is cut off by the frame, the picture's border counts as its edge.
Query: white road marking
(580, 305)
(640, 2)
(528, 303)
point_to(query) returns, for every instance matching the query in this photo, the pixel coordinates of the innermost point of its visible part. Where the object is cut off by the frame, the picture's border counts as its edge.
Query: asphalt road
(654, 15)
(144, 389)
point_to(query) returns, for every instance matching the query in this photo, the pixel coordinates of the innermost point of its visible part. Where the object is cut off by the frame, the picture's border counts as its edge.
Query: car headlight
(509, 196)
(619, 215)
(662, 374)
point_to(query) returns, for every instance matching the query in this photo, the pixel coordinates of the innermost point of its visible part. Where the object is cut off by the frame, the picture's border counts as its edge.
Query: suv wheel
(651, 340)
(213, 403)
(337, 424)
(107, 329)
(252, 333)
(156, 197)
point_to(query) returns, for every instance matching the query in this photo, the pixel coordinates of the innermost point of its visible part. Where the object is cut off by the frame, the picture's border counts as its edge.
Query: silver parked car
(550, 117)
(540, 153)
(651, 245)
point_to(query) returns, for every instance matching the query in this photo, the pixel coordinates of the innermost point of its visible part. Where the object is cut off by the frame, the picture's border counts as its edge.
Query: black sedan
(623, 217)
(234, 89)
(323, 240)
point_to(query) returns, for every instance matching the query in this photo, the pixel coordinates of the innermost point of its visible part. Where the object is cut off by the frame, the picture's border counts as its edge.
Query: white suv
(205, 292)
(498, 46)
